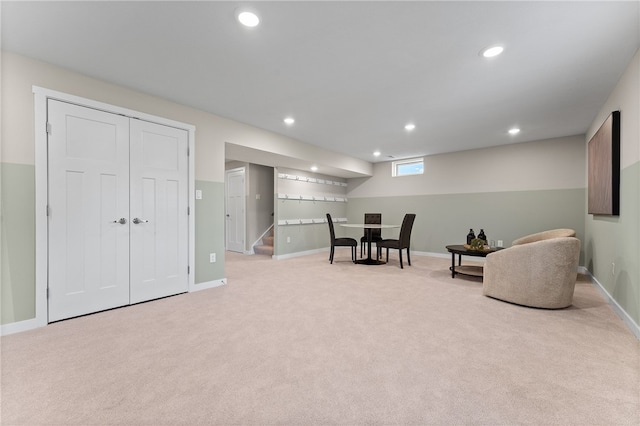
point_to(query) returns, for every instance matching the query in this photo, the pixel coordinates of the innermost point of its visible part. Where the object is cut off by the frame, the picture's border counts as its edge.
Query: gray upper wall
(20, 73)
(542, 165)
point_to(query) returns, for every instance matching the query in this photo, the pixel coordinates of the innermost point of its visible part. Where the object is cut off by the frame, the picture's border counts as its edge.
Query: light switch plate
(198, 194)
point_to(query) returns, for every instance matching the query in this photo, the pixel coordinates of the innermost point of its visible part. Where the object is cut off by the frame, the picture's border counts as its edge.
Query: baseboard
(207, 285)
(30, 324)
(431, 254)
(20, 326)
(624, 316)
(300, 253)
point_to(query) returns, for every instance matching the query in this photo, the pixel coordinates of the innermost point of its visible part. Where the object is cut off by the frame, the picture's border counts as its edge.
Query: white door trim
(41, 95)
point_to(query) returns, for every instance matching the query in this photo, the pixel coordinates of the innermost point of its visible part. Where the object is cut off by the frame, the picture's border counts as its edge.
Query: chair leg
(400, 256)
(354, 253)
(331, 254)
(387, 254)
(408, 257)
(361, 246)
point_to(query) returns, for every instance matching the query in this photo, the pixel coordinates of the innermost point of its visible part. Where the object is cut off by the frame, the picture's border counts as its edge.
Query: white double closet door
(117, 206)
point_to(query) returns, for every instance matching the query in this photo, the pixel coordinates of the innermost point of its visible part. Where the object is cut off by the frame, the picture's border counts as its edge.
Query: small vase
(470, 236)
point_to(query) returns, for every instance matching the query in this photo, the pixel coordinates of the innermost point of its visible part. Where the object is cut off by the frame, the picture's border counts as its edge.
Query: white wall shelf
(311, 180)
(287, 222)
(300, 197)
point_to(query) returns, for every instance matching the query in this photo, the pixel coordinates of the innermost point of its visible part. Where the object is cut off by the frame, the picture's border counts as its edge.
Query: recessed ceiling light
(409, 127)
(376, 153)
(314, 168)
(514, 131)
(289, 121)
(492, 51)
(248, 19)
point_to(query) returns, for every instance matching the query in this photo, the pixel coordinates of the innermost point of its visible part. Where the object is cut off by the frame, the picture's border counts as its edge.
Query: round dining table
(368, 227)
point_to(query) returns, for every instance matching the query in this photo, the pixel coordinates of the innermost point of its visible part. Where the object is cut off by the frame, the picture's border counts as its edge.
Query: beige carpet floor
(303, 342)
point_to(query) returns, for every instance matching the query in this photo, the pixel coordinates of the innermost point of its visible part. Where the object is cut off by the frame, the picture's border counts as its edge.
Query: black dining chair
(341, 242)
(403, 240)
(376, 234)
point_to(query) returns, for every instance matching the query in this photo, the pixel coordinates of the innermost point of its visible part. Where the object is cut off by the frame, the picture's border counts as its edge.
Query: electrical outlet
(212, 258)
(288, 239)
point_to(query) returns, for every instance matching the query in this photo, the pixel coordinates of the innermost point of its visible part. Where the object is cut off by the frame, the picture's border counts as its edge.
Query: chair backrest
(331, 231)
(373, 218)
(405, 230)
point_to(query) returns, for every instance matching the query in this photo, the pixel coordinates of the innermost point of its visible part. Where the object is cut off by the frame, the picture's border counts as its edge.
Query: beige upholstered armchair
(539, 270)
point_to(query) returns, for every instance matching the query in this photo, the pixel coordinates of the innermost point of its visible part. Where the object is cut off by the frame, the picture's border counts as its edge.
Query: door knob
(137, 220)
(121, 221)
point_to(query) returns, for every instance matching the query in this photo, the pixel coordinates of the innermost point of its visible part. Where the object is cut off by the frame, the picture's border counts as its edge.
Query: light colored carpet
(301, 341)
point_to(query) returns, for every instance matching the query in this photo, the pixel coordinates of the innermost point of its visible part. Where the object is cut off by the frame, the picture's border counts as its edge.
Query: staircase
(266, 248)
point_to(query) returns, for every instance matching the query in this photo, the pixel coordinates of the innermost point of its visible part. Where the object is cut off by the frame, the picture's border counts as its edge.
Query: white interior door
(88, 195)
(235, 206)
(118, 218)
(159, 217)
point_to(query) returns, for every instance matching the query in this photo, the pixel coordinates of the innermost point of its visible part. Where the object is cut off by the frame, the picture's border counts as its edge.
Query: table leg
(369, 233)
(453, 265)
(369, 260)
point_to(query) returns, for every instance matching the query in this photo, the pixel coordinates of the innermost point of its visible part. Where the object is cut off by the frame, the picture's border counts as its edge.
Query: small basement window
(412, 166)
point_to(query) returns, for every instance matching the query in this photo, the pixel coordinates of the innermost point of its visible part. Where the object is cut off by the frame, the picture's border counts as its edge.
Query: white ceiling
(352, 73)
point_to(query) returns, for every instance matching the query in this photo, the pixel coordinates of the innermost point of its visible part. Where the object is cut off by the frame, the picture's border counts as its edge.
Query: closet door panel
(88, 177)
(159, 200)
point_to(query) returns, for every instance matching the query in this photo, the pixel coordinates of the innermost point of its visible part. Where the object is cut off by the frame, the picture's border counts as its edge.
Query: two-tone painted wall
(508, 191)
(518, 189)
(612, 243)
(19, 75)
(17, 170)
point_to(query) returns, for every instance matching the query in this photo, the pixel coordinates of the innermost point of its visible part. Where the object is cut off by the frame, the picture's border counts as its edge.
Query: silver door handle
(137, 221)
(121, 221)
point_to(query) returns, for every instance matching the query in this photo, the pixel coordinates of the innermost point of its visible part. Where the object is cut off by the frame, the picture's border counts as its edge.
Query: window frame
(395, 165)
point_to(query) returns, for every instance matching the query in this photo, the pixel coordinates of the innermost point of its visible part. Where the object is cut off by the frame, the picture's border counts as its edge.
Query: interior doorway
(235, 207)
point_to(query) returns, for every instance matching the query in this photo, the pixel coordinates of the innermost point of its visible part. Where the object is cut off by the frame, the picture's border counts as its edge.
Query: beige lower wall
(17, 301)
(444, 219)
(18, 261)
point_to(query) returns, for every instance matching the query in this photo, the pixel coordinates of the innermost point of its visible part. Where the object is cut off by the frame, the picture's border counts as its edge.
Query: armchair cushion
(545, 235)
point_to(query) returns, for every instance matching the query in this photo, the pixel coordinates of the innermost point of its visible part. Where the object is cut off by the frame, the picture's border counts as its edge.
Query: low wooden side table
(461, 250)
